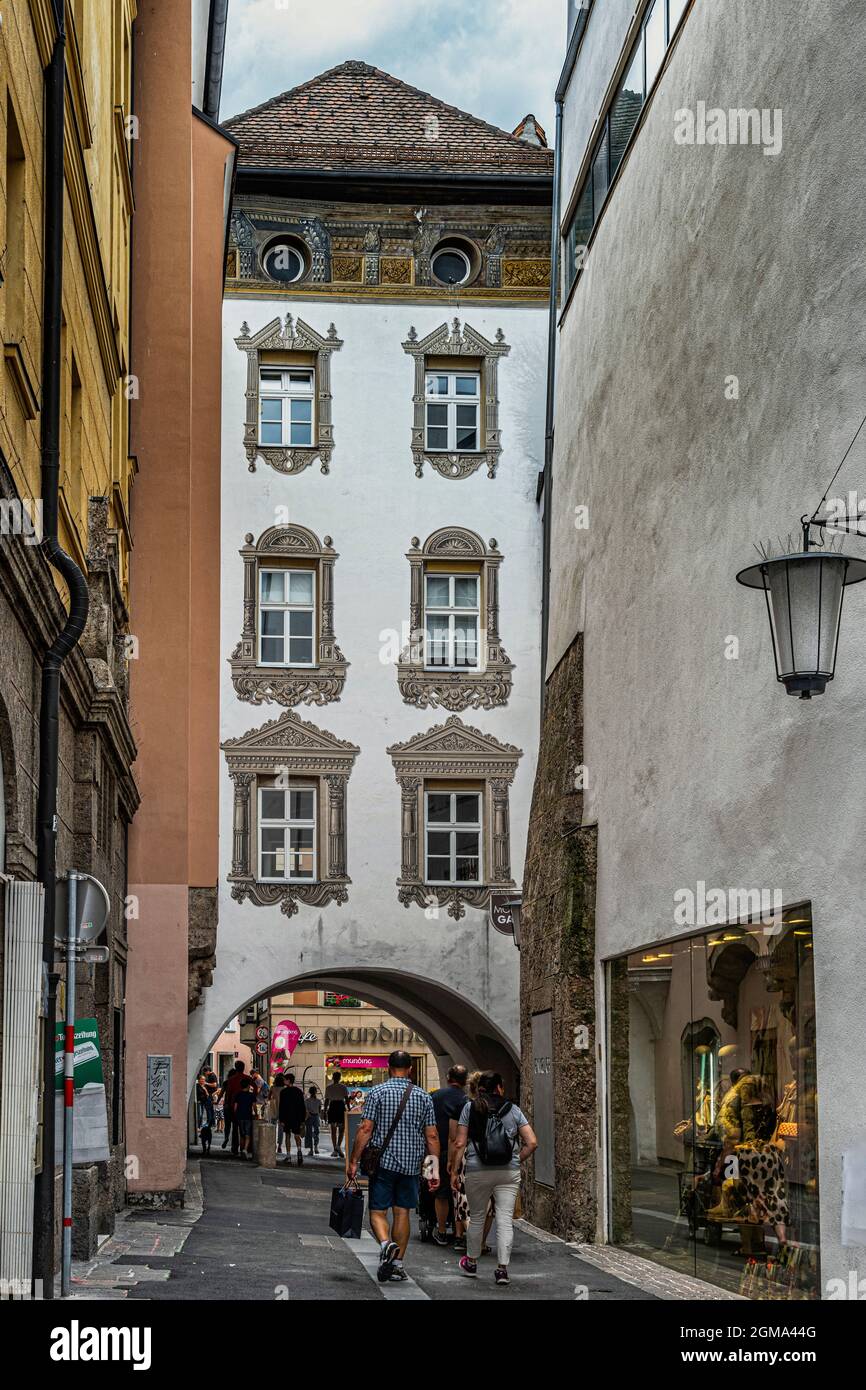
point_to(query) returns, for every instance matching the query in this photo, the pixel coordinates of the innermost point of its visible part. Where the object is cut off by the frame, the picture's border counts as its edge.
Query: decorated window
(455, 426)
(288, 396)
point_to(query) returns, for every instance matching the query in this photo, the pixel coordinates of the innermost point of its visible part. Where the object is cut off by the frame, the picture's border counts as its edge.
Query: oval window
(451, 266)
(284, 261)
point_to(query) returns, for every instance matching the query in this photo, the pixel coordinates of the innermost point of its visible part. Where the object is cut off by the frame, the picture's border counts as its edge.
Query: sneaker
(300, 1159)
(387, 1256)
(501, 1276)
(459, 1245)
(440, 1237)
(398, 1275)
(468, 1267)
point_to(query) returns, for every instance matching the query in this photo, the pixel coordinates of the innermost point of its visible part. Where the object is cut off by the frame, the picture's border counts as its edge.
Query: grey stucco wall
(711, 262)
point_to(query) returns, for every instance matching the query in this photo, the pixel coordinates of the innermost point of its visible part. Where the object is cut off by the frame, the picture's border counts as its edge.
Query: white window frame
(452, 828)
(451, 611)
(287, 823)
(451, 400)
(286, 607)
(287, 392)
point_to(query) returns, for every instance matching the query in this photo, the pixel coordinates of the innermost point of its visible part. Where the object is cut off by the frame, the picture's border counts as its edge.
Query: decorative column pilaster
(248, 635)
(326, 640)
(409, 825)
(241, 847)
(501, 855)
(416, 603)
(336, 825)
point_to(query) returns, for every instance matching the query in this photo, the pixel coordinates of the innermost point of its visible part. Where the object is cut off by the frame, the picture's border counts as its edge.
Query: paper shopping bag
(347, 1210)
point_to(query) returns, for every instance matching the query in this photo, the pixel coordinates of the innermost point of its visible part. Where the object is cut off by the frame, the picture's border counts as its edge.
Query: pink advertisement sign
(284, 1041)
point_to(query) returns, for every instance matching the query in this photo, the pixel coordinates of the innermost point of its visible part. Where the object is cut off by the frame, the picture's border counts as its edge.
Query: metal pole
(69, 1082)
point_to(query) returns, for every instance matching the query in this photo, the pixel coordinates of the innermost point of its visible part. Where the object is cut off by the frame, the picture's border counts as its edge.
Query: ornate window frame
(485, 688)
(457, 342)
(293, 747)
(454, 751)
(287, 336)
(289, 685)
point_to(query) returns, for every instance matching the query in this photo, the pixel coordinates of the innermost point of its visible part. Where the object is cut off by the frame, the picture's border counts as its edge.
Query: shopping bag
(347, 1210)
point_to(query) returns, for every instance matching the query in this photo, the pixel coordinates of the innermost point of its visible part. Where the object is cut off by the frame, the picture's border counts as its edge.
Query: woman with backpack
(496, 1137)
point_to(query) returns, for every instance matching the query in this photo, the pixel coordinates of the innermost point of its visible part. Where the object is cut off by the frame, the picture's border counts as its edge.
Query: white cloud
(498, 59)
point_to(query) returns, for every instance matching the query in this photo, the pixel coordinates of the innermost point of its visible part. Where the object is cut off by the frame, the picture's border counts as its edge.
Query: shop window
(713, 1107)
(288, 652)
(455, 425)
(455, 657)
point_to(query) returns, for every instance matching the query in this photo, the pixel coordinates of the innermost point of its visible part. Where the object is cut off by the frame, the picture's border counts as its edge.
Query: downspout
(216, 46)
(49, 711)
(550, 403)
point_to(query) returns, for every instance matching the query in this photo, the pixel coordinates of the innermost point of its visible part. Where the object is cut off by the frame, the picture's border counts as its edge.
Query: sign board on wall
(158, 1106)
(542, 1097)
(90, 1113)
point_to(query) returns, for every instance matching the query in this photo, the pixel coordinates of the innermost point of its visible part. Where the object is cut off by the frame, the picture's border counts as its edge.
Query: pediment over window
(457, 749)
(307, 746)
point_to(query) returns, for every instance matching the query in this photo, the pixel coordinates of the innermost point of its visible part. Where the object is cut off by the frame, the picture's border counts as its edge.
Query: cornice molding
(75, 84)
(44, 28)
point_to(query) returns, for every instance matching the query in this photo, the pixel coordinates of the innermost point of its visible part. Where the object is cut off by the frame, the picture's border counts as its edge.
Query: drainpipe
(547, 477)
(49, 711)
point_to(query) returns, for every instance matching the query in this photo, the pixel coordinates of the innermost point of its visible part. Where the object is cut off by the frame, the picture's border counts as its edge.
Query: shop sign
(158, 1103)
(366, 1063)
(285, 1039)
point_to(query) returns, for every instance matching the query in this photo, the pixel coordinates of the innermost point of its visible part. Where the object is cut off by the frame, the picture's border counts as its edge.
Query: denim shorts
(390, 1189)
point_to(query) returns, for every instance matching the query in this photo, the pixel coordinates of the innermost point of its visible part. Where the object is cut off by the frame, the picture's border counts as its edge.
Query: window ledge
(265, 893)
(455, 690)
(457, 896)
(287, 685)
(290, 459)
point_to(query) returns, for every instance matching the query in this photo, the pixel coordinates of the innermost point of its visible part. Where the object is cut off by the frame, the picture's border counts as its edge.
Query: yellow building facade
(96, 386)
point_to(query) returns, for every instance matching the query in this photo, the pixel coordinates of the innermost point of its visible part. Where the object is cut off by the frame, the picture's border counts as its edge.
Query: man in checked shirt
(394, 1187)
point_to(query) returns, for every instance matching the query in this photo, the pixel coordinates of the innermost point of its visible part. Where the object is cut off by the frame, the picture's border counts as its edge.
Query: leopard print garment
(763, 1174)
(461, 1204)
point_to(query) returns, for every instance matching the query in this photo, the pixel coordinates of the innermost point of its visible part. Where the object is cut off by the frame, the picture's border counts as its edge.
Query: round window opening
(451, 266)
(284, 261)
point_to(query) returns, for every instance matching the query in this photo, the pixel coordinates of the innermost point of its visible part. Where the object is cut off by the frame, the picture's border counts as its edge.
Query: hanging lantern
(804, 593)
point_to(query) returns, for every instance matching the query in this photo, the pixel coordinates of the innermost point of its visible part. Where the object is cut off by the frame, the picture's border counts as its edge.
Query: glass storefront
(361, 1072)
(713, 1109)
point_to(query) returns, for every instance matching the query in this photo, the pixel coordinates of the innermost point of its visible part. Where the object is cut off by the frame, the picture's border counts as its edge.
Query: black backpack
(496, 1148)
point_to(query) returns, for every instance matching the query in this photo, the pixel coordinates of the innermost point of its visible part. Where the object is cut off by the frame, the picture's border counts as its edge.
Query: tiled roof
(358, 117)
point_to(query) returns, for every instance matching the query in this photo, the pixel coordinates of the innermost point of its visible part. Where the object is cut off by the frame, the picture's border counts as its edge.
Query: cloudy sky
(498, 59)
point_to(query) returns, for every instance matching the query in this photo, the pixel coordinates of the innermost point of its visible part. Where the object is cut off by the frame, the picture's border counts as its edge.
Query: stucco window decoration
(288, 422)
(291, 756)
(441, 354)
(455, 658)
(288, 652)
(453, 763)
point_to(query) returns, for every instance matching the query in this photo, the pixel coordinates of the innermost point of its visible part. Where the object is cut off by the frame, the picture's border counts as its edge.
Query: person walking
(245, 1107)
(399, 1127)
(448, 1103)
(314, 1109)
(230, 1090)
(274, 1108)
(337, 1102)
(496, 1138)
(292, 1113)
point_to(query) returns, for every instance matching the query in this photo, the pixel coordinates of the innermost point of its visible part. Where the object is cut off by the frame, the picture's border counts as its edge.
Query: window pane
(301, 434)
(301, 587)
(438, 869)
(467, 869)
(272, 586)
(271, 434)
(301, 623)
(437, 590)
(437, 415)
(302, 380)
(272, 649)
(437, 640)
(301, 411)
(626, 108)
(467, 385)
(466, 842)
(272, 622)
(465, 591)
(301, 853)
(272, 408)
(273, 804)
(467, 439)
(466, 642)
(301, 803)
(599, 174)
(581, 223)
(437, 439)
(273, 853)
(271, 379)
(676, 14)
(438, 806)
(301, 650)
(467, 426)
(437, 386)
(466, 808)
(654, 34)
(438, 842)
